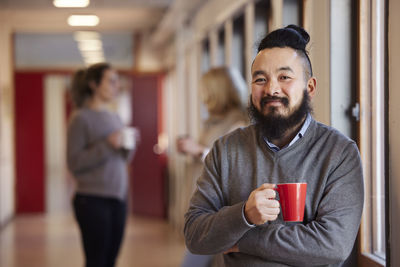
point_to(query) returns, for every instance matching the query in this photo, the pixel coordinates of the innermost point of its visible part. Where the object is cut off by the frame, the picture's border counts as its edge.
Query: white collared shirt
(299, 135)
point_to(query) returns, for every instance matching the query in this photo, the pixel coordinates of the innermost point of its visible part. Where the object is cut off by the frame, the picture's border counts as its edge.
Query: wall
(147, 58)
(214, 13)
(317, 23)
(394, 129)
(7, 175)
(58, 188)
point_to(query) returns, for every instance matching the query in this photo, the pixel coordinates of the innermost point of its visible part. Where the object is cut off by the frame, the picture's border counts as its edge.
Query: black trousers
(102, 223)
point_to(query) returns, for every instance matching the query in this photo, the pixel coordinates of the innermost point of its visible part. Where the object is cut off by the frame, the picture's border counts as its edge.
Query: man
(234, 210)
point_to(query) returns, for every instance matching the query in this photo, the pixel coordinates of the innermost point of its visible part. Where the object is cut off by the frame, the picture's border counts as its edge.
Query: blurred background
(160, 49)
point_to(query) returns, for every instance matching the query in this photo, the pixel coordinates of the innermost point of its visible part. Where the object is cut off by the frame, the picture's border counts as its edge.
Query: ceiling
(59, 50)
(93, 3)
(41, 15)
(43, 37)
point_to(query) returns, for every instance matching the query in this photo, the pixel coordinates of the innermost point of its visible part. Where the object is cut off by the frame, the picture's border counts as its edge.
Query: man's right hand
(262, 205)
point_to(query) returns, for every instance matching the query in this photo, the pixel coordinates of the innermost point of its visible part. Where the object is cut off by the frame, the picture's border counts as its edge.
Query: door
(29, 142)
(147, 172)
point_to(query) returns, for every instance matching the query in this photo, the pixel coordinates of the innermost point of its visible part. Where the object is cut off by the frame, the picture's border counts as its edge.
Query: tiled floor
(53, 241)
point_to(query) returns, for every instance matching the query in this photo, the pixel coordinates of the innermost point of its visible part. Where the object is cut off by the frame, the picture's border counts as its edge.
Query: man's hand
(262, 205)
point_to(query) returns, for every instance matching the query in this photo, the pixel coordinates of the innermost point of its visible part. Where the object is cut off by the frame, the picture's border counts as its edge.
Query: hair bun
(291, 36)
(305, 38)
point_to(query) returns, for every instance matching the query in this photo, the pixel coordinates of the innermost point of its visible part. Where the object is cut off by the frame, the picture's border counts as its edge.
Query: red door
(148, 181)
(29, 142)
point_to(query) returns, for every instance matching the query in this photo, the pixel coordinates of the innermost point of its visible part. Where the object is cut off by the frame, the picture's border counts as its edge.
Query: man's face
(278, 82)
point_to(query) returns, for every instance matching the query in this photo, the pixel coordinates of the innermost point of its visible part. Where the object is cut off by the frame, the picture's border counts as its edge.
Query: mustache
(267, 99)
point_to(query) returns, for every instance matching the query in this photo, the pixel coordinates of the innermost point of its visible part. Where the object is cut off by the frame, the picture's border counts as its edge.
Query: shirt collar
(299, 135)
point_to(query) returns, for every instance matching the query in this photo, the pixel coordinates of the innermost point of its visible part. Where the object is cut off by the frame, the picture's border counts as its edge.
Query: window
(205, 56)
(372, 130)
(291, 12)
(261, 22)
(238, 45)
(221, 47)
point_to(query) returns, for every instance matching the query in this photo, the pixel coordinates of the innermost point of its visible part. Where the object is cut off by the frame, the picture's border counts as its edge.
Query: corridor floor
(53, 241)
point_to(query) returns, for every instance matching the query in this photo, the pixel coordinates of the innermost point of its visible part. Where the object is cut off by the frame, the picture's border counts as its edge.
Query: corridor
(161, 49)
(53, 241)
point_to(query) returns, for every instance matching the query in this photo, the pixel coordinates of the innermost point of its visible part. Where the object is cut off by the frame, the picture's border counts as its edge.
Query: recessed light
(92, 54)
(83, 20)
(90, 61)
(90, 45)
(71, 3)
(86, 35)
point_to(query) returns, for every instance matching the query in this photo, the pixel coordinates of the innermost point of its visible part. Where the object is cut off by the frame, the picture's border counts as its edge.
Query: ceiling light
(83, 20)
(86, 35)
(90, 45)
(93, 57)
(90, 61)
(92, 54)
(71, 3)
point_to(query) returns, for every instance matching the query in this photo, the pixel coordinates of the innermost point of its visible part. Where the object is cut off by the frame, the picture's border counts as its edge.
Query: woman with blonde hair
(224, 94)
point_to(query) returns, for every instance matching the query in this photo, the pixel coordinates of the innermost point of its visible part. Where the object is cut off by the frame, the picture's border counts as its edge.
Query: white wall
(7, 170)
(58, 186)
(394, 129)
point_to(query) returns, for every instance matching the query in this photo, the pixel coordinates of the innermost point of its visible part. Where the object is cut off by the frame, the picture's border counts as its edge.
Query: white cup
(129, 137)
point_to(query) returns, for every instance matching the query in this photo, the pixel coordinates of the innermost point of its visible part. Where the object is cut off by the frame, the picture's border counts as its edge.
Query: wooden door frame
(366, 79)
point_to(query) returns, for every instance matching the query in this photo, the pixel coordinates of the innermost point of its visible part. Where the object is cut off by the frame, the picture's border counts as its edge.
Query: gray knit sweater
(99, 169)
(240, 162)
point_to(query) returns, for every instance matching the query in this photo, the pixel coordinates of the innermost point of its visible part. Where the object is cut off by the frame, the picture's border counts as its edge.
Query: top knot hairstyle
(291, 36)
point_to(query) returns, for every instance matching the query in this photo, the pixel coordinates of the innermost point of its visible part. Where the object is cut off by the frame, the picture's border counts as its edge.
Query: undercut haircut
(291, 36)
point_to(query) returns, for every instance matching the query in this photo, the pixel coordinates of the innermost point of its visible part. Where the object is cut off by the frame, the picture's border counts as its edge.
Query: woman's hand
(187, 145)
(115, 139)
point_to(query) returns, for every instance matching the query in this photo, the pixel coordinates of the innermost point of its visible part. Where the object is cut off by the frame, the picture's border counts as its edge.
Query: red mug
(292, 197)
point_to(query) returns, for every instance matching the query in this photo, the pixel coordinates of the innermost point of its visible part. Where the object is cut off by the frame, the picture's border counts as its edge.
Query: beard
(273, 125)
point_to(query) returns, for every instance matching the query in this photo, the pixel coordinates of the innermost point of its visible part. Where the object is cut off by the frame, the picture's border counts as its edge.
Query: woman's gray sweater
(240, 162)
(99, 169)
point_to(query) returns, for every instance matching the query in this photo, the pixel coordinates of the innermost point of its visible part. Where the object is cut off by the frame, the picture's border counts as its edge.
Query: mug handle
(277, 193)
